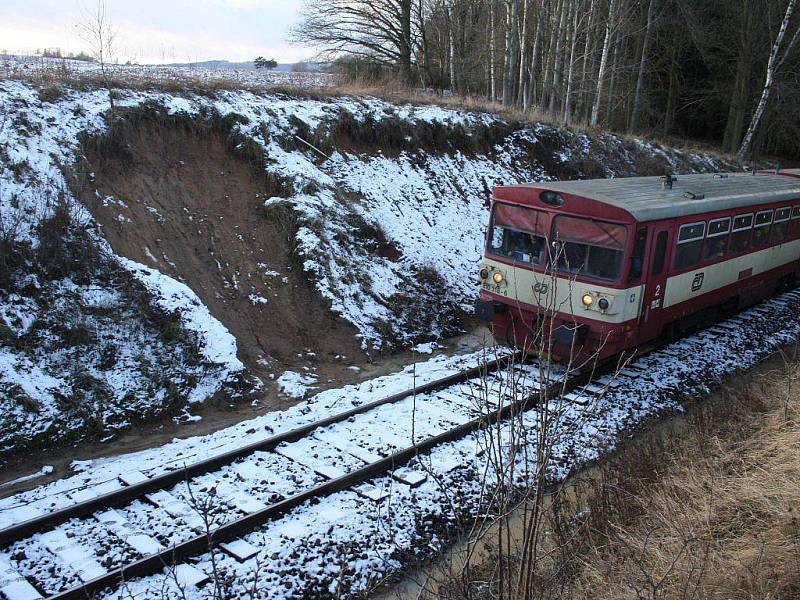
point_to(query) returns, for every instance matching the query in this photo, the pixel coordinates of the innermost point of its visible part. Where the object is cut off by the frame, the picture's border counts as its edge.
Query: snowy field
(342, 545)
(68, 69)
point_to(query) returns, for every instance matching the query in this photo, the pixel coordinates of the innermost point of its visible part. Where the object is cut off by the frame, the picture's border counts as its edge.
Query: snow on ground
(391, 239)
(342, 544)
(179, 452)
(427, 348)
(295, 385)
(217, 344)
(45, 470)
(58, 69)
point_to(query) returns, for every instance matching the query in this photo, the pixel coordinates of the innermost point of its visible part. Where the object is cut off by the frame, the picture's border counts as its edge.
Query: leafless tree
(679, 67)
(777, 58)
(601, 77)
(648, 36)
(380, 30)
(99, 33)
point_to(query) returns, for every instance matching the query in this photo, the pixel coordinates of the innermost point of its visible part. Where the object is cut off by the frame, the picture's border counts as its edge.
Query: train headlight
(498, 278)
(603, 304)
(587, 300)
(484, 273)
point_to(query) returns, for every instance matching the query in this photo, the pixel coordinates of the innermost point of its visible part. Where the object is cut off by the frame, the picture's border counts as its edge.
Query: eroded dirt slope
(182, 202)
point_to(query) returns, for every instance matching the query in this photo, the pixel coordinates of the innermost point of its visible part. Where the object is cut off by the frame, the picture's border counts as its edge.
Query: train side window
(660, 252)
(637, 260)
(762, 227)
(742, 233)
(780, 228)
(794, 226)
(717, 239)
(690, 244)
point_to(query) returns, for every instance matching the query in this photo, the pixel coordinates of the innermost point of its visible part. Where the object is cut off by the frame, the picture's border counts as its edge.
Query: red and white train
(588, 269)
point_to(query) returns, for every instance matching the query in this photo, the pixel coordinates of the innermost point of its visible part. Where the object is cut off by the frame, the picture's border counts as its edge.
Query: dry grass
(702, 505)
(387, 88)
(394, 90)
(722, 519)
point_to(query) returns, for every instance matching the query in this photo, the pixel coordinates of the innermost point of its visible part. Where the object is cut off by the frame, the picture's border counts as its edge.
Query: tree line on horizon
(719, 71)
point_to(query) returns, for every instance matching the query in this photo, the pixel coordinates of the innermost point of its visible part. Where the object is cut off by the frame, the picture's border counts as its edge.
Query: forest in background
(717, 71)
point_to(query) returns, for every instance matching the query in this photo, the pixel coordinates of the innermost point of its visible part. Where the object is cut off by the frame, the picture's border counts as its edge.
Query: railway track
(322, 457)
(149, 523)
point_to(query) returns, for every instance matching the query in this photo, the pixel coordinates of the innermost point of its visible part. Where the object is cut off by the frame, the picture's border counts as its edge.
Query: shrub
(13, 255)
(65, 246)
(50, 93)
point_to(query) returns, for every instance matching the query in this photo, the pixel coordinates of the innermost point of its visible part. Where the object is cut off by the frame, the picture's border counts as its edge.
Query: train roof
(646, 199)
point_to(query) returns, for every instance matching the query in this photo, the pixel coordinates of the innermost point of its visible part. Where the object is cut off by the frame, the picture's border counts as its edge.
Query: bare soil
(190, 208)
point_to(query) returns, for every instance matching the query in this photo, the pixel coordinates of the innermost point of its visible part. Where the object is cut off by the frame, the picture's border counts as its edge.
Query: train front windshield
(575, 245)
(518, 234)
(588, 248)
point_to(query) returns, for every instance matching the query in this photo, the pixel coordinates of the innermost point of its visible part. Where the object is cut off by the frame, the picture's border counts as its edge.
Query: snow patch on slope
(216, 342)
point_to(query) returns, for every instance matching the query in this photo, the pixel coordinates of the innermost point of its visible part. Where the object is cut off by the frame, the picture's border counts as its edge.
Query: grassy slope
(713, 512)
(702, 506)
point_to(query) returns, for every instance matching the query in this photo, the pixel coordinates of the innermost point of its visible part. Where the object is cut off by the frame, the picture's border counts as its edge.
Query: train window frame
(716, 248)
(761, 231)
(718, 233)
(686, 259)
(794, 226)
(640, 240)
(780, 225)
(743, 227)
(739, 244)
(542, 261)
(769, 212)
(563, 244)
(660, 253)
(694, 239)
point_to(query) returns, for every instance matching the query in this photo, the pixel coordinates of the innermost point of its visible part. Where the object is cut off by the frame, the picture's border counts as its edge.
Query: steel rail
(204, 542)
(127, 494)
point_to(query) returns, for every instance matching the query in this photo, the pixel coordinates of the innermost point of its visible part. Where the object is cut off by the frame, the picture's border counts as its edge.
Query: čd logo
(697, 282)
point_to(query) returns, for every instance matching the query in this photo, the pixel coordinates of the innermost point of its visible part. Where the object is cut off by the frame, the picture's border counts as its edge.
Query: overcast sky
(154, 31)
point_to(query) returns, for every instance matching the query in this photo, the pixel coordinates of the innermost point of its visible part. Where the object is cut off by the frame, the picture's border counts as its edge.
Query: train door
(650, 318)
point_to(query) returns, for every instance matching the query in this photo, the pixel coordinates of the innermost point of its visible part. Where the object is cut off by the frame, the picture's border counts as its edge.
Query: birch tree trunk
(614, 74)
(530, 80)
(773, 65)
(549, 57)
(452, 43)
(523, 48)
(558, 64)
(492, 51)
(601, 75)
(512, 15)
(588, 51)
(637, 98)
(571, 68)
